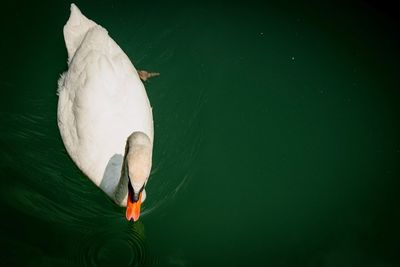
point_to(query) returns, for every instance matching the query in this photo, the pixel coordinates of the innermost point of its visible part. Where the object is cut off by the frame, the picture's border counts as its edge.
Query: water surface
(276, 138)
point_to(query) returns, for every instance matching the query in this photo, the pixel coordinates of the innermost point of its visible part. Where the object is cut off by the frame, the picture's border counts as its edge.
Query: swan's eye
(141, 189)
(131, 193)
(134, 196)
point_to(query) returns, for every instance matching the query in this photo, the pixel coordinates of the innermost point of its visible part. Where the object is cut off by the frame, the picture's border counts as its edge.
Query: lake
(276, 137)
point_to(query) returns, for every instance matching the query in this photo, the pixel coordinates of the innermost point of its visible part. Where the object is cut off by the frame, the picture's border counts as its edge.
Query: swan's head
(138, 166)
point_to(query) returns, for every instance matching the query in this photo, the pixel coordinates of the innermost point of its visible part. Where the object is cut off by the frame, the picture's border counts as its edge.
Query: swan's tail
(75, 30)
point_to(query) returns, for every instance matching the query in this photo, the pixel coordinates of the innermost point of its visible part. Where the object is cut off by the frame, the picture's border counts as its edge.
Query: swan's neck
(135, 167)
(121, 191)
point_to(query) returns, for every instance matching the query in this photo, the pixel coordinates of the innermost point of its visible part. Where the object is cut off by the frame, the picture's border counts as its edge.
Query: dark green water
(276, 138)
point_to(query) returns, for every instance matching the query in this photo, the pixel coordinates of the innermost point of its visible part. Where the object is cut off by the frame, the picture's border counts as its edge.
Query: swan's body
(102, 101)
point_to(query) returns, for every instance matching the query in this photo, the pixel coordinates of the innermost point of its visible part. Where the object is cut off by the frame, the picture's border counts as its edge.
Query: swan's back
(101, 100)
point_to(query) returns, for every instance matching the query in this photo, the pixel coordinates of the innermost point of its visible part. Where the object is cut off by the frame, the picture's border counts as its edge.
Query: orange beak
(133, 208)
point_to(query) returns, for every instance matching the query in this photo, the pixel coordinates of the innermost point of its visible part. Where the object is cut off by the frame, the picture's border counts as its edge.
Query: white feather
(101, 100)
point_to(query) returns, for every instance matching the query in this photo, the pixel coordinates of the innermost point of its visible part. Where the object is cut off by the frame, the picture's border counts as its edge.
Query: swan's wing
(75, 30)
(101, 102)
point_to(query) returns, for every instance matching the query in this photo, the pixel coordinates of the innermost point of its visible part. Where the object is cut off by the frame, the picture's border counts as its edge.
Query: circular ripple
(124, 247)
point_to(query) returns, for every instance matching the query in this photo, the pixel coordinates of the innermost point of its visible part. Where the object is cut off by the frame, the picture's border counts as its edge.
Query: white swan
(104, 115)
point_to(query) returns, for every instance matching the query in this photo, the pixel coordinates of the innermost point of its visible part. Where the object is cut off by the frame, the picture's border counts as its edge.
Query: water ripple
(112, 246)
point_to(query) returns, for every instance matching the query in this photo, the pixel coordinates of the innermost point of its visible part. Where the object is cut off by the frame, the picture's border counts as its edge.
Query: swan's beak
(133, 208)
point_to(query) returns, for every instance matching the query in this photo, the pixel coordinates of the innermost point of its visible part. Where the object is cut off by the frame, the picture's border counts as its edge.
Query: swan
(104, 115)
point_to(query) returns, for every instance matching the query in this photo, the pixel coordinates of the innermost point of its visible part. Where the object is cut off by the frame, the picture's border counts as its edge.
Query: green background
(276, 137)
